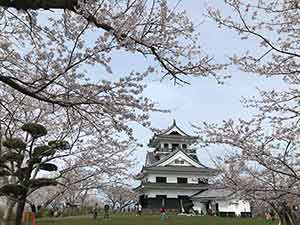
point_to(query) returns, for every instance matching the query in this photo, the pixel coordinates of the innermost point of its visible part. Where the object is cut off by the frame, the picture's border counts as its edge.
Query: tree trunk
(283, 220)
(8, 212)
(20, 210)
(289, 218)
(56, 195)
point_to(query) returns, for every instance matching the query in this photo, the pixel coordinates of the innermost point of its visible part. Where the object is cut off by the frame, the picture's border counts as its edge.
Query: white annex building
(174, 178)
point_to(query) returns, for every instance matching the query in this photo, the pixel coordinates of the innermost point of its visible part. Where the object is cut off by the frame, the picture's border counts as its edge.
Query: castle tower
(172, 173)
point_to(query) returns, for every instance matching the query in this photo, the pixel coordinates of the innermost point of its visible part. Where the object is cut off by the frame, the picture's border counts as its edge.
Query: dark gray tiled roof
(175, 186)
(150, 159)
(181, 169)
(152, 163)
(163, 132)
(213, 194)
(162, 159)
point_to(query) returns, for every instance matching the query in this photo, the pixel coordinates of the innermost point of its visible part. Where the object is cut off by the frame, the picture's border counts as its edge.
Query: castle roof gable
(173, 130)
(169, 159)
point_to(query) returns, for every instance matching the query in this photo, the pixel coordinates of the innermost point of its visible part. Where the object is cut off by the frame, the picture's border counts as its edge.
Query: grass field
(153, 220)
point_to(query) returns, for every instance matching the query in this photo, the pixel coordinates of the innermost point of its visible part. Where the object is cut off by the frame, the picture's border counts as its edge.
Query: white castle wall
(169, 193)
(228, 205)
(236, 206)
(199, 206)
(172, 178)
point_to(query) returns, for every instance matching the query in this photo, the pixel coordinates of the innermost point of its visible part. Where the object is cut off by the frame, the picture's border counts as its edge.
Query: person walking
(163, 214)
(106, 211)
(140, 209)
(95, 211)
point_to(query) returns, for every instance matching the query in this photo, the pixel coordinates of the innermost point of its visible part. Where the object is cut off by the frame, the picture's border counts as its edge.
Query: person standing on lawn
(163, 214)
(106, 211)
(140, 209)
(95, 211)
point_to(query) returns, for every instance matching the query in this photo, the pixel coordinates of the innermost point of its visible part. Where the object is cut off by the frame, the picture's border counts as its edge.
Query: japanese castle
(174, 178)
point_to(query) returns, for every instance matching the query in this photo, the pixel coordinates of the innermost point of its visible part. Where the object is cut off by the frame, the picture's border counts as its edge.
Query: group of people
(163, 212)
(106, 211)
(138, 209)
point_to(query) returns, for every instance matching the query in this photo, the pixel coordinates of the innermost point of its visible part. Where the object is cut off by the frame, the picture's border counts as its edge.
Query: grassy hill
(153, 220)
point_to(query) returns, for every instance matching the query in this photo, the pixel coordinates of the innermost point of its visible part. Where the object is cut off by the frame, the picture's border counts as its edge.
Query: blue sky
(204, 99)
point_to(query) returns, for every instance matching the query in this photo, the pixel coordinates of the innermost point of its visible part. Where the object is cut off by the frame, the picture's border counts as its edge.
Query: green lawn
(153, 220)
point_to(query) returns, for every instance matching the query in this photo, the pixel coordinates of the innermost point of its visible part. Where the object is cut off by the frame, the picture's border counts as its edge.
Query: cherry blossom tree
(58, 44)
(119, 196)
(48, 48)
(48, 52)
(77, 184)
(92, 158)
(262, 164)
(263, 161)
(273, 26)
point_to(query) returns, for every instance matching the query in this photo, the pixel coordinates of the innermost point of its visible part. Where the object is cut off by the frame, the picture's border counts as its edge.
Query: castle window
(166, 145)
(202, 180)
(179, 161)
(161, 180)
(175, 146)
(184, 146)
(181, 180)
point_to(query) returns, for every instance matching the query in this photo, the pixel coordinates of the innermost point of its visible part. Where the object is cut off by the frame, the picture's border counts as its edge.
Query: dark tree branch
(39, 4)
